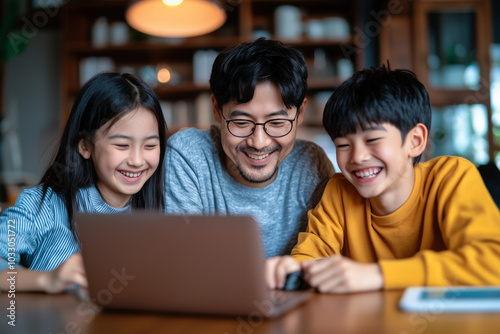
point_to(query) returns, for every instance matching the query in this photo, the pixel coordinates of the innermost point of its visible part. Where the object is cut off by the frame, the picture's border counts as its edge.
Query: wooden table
(364, 313)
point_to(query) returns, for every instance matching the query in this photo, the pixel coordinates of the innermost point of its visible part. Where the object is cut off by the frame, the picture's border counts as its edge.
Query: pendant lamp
(175, 18)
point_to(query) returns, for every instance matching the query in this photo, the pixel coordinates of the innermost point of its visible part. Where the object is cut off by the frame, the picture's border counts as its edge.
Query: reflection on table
(373, 312)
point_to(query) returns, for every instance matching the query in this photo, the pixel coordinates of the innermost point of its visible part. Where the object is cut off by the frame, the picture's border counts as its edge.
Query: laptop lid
(193, 264)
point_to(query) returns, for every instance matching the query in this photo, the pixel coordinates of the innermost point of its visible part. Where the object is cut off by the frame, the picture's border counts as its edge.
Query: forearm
(69, 273)
(311, 247)
(338, 274)
(22, 279)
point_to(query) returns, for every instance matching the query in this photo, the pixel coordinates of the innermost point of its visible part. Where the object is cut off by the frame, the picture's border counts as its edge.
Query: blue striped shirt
(41, 236)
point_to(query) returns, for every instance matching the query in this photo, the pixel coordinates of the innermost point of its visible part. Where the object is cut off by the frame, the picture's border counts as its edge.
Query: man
(251, 163)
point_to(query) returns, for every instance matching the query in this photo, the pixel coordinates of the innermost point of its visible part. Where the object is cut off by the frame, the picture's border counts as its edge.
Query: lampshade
(189, 18)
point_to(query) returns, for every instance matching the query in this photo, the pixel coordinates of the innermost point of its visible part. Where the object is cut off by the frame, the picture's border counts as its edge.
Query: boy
(387, 221)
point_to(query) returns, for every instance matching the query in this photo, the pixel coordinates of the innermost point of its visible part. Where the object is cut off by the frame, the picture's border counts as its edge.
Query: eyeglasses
(278, 127)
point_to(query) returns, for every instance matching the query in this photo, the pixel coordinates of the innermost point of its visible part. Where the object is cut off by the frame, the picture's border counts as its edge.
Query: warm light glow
(163, 75)
(172, 2)
(189, 18)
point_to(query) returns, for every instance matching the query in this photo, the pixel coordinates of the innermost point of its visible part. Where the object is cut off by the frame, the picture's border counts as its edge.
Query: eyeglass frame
(263, 124)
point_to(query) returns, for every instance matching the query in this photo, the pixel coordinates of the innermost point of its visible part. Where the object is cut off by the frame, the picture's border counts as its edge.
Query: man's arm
(182, 193)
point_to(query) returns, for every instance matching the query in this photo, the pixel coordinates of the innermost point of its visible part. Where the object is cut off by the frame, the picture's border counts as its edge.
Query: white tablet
(451, 299)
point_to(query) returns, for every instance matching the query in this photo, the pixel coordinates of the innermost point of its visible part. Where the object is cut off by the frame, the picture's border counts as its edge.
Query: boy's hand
(277, 268)
(69, 273)
(338, 274)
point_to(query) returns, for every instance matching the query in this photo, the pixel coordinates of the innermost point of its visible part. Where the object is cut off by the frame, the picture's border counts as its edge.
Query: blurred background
(51, 47)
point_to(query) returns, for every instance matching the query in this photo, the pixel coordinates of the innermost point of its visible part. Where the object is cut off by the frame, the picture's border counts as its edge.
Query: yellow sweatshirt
(447, 232)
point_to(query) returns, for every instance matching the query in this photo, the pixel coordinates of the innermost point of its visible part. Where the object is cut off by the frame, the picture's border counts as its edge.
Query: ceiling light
(175, 18)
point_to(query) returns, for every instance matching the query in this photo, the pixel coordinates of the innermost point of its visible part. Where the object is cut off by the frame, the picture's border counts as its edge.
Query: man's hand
(277, 268)
(338, 274)
(69, 273)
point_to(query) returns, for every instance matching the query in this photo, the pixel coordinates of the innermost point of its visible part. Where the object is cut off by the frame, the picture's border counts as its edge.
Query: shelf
(86, 48)
(189, 89)
(244, 17)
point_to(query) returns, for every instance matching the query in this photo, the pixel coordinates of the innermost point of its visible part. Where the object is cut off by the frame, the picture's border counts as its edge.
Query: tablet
(451, 299)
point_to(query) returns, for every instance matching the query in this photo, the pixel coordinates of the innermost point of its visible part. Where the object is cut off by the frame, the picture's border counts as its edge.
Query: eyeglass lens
(274, 128)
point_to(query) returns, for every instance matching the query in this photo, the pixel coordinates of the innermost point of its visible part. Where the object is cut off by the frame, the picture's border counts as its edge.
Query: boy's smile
(378, 164)
(367, 174)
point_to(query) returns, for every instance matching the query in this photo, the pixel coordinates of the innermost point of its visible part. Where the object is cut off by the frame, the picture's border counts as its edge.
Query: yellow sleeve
(469, 222)
(325, 231)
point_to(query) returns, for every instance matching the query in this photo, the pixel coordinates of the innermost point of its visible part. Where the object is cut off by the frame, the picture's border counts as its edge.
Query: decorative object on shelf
(314, 29)
(202, 66)
(345, 69)
(288, 21)
(336, 27)
(175, 18)
(118, 33)
(90, 66)
(166, 75)
(149, 74)
(100, 32)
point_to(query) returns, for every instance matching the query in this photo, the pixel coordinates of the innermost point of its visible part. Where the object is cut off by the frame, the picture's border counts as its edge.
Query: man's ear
(302, 111)
(417, 140)
(84, 148)
(215, 109)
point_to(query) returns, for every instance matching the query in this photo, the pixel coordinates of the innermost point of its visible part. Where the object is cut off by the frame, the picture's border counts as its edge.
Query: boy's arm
(324, 235)
(338, 274)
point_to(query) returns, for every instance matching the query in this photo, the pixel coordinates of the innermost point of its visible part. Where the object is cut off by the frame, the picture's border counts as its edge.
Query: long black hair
(107, 97)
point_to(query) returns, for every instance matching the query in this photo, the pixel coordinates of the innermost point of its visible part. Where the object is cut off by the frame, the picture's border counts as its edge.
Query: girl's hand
(69, 273)
(277, 268)
(337, 274)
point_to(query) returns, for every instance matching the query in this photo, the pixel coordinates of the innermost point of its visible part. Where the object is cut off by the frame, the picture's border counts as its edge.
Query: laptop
(184, 264)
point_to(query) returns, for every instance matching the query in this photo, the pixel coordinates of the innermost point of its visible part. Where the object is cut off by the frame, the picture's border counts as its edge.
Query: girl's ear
(84, 148)
(417, 139)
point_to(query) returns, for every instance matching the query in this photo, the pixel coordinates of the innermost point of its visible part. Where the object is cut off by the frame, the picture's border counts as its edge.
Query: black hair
(238, 69)
(374, 96)
(106, 97)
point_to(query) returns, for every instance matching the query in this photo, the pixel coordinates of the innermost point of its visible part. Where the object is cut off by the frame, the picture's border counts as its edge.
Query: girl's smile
(125, 155)
(132, 176)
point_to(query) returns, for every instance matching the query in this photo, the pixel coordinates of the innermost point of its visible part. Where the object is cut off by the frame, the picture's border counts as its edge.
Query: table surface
(372, 312)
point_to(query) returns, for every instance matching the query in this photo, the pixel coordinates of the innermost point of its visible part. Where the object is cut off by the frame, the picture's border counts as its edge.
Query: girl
(109, 160)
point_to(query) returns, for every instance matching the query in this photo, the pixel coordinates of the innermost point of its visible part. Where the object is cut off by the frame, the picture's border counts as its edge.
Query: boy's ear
(84, 148)
(417, 139)
(215, 109)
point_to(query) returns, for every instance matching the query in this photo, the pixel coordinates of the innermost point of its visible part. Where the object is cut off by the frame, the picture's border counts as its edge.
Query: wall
(31, 108)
